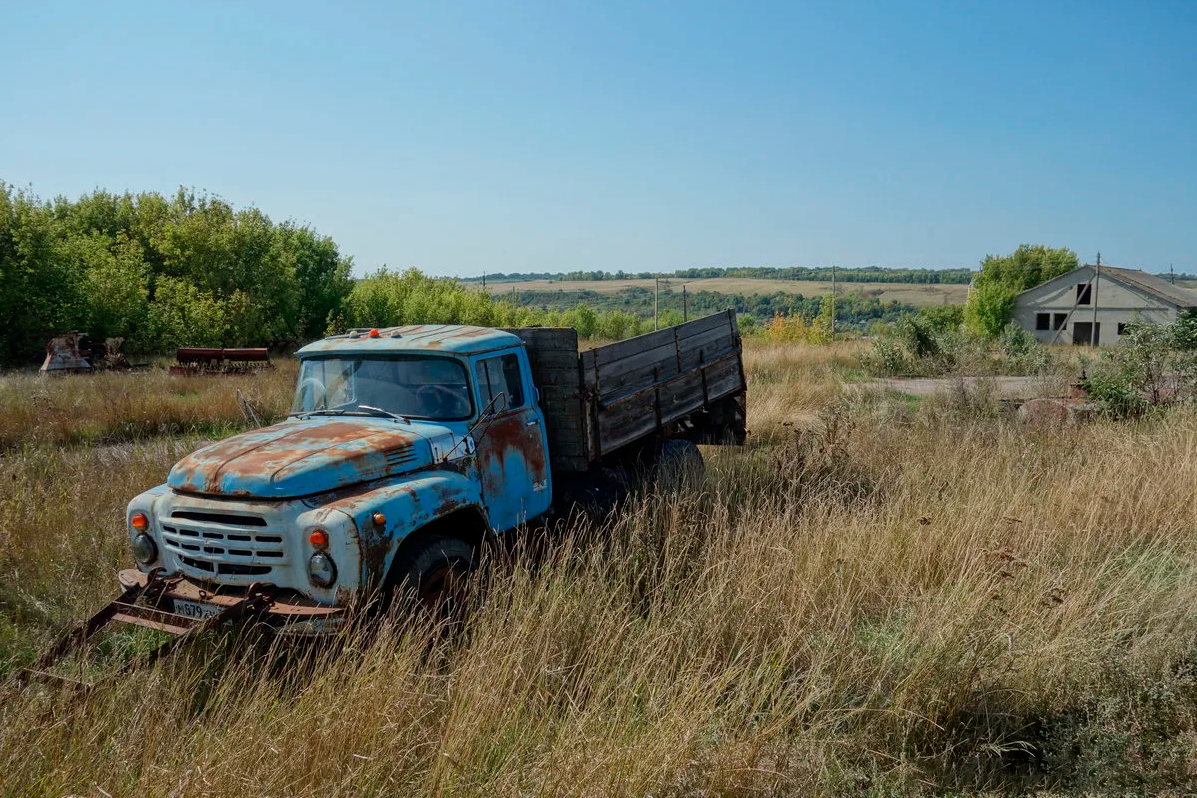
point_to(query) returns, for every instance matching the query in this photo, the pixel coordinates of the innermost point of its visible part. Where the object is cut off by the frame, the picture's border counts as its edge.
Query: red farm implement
(200, 361)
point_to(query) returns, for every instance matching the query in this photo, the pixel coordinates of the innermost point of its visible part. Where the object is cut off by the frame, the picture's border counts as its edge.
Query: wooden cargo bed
(606, 398)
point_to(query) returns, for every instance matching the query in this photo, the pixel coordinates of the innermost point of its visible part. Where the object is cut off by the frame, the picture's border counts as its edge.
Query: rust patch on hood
(299, 458)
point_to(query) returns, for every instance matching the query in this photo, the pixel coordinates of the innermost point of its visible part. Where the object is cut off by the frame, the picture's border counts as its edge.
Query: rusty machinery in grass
(70, 354)
(202, 360)
(406, 449)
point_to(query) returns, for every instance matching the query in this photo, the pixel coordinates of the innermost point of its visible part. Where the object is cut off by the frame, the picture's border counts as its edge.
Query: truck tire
(434, 570)
(592, 495)
(678, 463)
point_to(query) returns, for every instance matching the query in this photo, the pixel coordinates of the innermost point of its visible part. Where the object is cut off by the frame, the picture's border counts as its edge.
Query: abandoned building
(1091, 305)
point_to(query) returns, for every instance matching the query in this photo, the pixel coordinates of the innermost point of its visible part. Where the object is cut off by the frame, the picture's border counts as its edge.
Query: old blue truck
(406, 449)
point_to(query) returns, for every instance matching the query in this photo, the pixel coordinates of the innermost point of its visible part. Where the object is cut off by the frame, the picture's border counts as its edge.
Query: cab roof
(456, 339)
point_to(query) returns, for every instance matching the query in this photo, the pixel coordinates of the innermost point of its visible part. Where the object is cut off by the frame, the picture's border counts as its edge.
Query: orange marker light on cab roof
(318, 538)
(140, 522)
(374, 333)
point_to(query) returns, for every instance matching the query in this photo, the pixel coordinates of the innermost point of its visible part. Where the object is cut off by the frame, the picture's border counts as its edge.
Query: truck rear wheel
(677, 462)
(435, 570)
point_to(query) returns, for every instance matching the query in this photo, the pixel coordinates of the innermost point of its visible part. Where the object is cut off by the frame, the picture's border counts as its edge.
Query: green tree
(322, 278)
(39, 293)
(161, 271)
(116, 284)
(1002, 278)
(584, 320)
(184, 313)
(988, 308)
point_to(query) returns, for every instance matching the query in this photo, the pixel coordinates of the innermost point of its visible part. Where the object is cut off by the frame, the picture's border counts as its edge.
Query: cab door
(512, 450)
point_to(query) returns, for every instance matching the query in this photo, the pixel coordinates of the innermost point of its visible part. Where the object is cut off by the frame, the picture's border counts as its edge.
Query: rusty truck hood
(302, 457)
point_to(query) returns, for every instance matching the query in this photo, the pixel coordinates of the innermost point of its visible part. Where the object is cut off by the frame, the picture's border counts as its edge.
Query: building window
(1084, 293)
(1058, 321)
(1121, 328)
(1042, 321)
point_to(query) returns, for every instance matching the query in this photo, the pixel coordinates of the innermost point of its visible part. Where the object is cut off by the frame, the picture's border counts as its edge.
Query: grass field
(877, 595)
(918, 295)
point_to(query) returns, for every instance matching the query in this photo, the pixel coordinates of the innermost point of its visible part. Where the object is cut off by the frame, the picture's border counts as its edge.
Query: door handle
(533, 422)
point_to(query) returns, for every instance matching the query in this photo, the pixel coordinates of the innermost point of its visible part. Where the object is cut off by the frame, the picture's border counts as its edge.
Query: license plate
(193, 609)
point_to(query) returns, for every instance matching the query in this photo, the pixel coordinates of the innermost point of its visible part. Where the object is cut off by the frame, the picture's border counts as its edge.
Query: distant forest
(853, 309)
(869, 274)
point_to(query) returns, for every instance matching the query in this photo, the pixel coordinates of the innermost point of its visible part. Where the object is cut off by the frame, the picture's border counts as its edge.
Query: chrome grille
(223, 543)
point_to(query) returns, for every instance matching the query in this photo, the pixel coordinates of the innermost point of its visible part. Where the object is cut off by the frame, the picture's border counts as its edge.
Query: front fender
(408, 504)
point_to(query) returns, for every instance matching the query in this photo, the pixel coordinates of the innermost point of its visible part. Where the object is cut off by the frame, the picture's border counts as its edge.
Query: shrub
(797, 329)
(943, 318)
(932, 346)
(1155, 364)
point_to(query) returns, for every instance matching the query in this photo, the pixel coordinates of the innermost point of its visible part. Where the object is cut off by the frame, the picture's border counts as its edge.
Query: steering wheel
(315, 385)
(431, 396)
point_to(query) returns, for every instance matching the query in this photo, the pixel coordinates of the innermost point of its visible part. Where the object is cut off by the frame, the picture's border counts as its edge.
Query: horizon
(473, 139)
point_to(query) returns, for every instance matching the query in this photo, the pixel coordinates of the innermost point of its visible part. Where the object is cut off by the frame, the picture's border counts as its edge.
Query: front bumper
(289, 612)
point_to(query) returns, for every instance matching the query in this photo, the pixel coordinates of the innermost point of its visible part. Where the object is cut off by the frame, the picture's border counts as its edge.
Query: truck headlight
(322, 570)
(145, 551)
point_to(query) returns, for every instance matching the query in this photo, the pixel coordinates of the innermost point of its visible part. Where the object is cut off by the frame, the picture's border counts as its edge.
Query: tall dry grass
(117, 407)
(875, 598)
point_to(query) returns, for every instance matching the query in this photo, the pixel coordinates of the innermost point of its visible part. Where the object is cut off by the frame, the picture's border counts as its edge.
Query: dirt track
(1008, 387)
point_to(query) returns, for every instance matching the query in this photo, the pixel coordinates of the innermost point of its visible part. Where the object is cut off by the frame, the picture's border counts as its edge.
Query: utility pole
(1096, 279)
(833, 299)
(685, 309)
(1171, 274)
(656, 301)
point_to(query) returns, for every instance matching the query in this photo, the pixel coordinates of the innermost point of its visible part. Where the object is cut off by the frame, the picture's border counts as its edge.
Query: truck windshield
(435, 388)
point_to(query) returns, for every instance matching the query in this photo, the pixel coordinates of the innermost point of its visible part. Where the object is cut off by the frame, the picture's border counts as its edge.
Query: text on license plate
(193, 609)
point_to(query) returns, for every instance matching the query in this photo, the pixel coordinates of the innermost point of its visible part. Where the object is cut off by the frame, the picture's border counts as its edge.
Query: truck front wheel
(435, 570)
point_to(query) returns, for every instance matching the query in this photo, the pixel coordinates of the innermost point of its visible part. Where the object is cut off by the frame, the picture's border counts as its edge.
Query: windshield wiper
(321, 412)
(378, 411)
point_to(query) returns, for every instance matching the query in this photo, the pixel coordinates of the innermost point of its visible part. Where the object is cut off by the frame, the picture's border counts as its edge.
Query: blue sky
(555, 136)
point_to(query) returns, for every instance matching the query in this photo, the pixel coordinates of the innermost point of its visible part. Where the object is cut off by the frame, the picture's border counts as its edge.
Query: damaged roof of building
(1174, 294)
(1131, 278)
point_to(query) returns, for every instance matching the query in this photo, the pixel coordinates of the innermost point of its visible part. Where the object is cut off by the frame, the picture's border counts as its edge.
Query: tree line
(870, 274)
(852, 308)
(190, 269)
(387, 297)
